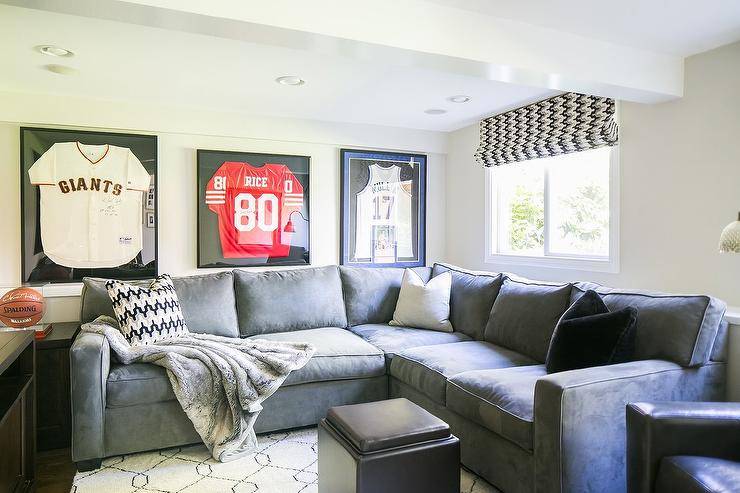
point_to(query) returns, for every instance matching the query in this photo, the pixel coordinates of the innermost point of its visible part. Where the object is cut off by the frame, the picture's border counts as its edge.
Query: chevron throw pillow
(147, 315)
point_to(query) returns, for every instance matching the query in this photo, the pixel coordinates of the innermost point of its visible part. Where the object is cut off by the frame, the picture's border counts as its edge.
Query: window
(559, 211)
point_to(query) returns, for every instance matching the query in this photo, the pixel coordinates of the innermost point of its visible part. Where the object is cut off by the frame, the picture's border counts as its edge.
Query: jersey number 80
(256, 212)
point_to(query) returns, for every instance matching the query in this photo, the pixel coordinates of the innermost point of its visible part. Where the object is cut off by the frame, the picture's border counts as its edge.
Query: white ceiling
(153, 54)
(118, 61)
(678, 27)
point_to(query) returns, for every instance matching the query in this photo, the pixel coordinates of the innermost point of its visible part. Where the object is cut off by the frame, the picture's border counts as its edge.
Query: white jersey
(384, 202)
(90, 204)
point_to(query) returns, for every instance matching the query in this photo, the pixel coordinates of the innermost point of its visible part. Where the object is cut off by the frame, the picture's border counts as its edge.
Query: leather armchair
(677, 447)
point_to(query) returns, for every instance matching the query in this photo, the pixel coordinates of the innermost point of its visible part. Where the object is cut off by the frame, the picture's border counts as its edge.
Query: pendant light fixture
(729, 240)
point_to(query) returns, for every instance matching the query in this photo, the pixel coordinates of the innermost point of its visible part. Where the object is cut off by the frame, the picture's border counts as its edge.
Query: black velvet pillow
(588, 334)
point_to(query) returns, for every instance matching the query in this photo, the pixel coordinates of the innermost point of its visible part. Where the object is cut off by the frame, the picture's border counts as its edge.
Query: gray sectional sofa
(520, 428)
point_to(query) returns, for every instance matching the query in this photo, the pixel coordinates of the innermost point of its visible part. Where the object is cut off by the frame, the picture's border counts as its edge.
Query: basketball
(21, 307)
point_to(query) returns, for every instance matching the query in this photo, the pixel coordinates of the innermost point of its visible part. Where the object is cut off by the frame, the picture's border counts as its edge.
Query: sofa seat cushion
(500, 400)
(427, 368)
(393, 340)
(137, 383)
(690, 474)
(340, 355)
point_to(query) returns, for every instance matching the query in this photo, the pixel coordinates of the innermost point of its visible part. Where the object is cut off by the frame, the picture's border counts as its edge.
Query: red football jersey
(253, 206)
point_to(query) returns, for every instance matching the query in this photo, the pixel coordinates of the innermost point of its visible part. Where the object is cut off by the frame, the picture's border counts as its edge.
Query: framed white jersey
(91, 198)
(384, 201)
(84, 205)
(383, 208)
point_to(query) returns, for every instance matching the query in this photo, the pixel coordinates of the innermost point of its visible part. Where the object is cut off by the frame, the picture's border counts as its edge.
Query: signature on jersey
(110, 206)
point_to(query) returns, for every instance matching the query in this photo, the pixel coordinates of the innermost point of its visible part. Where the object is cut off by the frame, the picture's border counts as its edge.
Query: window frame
(549, 260)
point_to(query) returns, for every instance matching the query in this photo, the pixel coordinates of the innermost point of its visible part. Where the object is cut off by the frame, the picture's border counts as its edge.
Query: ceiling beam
(412, 33)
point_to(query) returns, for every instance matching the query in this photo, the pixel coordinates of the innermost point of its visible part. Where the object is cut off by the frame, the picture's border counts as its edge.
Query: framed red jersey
(252, 209)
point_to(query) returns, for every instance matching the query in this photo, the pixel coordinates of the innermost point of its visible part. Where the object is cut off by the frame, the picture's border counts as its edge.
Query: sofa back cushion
(371, 294)
(471, 299)
(525, 314)
(286, 300)
(677, 328)
(207, 302)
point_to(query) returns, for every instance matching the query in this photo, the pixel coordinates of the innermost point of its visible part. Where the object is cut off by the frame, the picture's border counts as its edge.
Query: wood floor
(54, 471)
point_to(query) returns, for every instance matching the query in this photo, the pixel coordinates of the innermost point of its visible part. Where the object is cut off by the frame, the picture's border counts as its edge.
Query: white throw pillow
(426, 306)
(147, 315)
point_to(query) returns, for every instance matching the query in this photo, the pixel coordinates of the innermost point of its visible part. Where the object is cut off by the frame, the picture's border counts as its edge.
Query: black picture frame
(36, 267)
(355, 176)
(210, 249)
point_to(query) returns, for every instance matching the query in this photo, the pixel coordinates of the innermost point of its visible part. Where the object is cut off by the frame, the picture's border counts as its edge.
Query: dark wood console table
(17, 412)
(54, 415)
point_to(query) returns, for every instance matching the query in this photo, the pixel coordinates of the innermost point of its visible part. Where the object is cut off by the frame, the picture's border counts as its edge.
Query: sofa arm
(657, 430)
(89, 368)
(579, 421)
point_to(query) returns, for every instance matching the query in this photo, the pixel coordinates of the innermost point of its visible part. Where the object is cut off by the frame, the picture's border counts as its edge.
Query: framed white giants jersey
(383, 209)
(90, 209)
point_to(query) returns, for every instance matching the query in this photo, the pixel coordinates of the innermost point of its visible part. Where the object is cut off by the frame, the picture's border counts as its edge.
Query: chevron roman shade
(565, 123)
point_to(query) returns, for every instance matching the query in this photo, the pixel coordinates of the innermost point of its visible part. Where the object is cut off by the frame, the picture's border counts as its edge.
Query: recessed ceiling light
(459, 99)
(52, 50)
(435, 111)
(61, 69)
(290, 80)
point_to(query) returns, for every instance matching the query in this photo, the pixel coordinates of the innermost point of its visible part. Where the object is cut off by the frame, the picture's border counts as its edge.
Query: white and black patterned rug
(285, 463)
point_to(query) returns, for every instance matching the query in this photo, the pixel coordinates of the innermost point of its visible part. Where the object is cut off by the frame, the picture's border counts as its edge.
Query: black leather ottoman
(387, 447)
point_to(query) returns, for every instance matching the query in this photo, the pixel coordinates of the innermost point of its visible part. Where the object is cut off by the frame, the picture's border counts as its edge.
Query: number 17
(387, 201)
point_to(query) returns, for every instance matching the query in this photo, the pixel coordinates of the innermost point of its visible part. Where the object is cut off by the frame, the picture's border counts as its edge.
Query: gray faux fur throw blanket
(220, 382)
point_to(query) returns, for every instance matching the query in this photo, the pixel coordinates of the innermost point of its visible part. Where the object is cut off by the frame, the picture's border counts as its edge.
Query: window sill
(732, 315)
(583, 264)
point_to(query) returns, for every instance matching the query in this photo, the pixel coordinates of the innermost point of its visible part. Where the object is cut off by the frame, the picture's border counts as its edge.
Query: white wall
(180, 133)
(680, 185)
